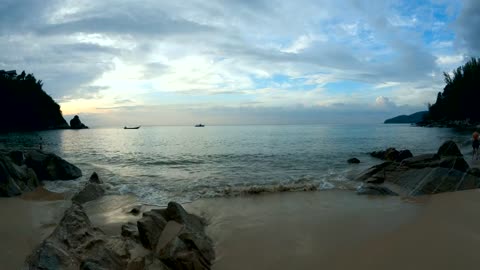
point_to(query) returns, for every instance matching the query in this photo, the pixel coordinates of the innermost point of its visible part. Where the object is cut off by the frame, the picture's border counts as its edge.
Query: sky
(159, 62)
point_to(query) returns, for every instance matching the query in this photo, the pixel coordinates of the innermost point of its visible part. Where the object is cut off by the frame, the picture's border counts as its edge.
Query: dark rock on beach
(23, 171)
(166, 239)
(49, 166)
(75, 123)
(92, 190)
(75, 244)
(15, 177)
(353, 161)
(444, 171)
(392, 154)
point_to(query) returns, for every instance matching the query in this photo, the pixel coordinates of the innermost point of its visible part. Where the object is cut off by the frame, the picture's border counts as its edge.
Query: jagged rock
(90, 192)
(49, 166)
(150, 226)
(95, 179)
(449, 148)
(426, 174)
(75, 244)
(392, 154)
(15, 179)
(75, 123)
(353, 161)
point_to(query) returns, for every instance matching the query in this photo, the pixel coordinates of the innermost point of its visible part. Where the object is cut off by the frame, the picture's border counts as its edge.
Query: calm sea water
(159, 163)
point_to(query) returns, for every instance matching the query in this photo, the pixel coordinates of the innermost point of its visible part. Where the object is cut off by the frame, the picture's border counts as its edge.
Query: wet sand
(341, 230)
(292, 230)
(25, 222)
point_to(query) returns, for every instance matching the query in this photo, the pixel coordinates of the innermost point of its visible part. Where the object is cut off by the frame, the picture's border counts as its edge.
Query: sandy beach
(25, 222)
(293, 230)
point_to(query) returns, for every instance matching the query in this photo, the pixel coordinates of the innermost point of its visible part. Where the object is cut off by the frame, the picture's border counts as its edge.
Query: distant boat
(131, 127)
(200, 125)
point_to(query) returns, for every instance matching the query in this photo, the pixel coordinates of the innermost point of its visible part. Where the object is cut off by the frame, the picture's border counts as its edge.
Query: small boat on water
(200, 125)
(125, 127)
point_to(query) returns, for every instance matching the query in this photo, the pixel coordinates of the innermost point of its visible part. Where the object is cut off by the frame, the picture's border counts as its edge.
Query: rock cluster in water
(443, 171)
(167, 238)
(22, 171)
(75, 123)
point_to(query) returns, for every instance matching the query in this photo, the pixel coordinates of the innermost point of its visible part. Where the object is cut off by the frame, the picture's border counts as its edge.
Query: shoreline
(290, 230)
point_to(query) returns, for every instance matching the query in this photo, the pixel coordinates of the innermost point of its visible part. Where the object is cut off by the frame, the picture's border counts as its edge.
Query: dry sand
(297, 230)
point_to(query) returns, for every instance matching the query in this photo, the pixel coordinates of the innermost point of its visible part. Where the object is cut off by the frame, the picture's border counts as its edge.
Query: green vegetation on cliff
(460, 99)
(25, 106)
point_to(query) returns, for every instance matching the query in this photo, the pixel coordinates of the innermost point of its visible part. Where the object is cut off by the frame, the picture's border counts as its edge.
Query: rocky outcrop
(75, 123)
(49, 166)
(75, 244)
(353, 161)
(176, 237)
(15, 177)
(23, 171)
(92, 190)
(165, 239)
(424, 174)
(392, 154)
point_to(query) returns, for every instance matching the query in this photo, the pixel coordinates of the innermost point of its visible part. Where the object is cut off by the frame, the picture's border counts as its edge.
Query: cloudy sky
(238, 62)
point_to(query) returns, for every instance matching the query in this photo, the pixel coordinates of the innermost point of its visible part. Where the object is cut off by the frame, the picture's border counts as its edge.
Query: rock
(75, 123)
(75, 244)
(49, 166)
(136, 210)
(130, 230)
(403, 154)
(377, 190)
(374, 170)
(422, 161)
(14, 179)
(444, 171)
(391, 154)
(90, 192)
(95, 179)
(353, 161)
(449, 148)
(453, 162)
(150, 226)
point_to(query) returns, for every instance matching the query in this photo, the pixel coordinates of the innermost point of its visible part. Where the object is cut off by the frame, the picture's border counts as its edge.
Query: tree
(460, 98)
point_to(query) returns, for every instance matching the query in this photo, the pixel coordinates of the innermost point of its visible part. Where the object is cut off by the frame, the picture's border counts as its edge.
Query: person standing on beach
(475, 145)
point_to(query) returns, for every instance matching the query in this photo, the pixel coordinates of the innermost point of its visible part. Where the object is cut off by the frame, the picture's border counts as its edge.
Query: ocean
(163, 163)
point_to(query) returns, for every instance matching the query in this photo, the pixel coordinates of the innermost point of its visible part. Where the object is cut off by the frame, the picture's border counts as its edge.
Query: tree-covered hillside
(460, 99)
(25, 106)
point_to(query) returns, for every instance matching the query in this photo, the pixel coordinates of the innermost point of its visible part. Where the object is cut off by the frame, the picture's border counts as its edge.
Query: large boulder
(75, 123)
(49, 166)
(15, 179)
(176, 237)
(449, 148)
(75, 244)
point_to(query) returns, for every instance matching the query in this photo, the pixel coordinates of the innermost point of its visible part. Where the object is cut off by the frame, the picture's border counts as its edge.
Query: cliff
(25, 105)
